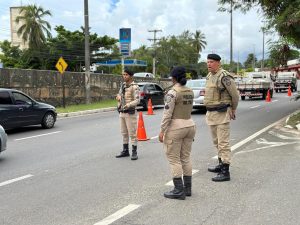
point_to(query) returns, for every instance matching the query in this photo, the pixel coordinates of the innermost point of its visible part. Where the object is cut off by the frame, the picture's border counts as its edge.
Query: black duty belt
(129, 111)
(220, 108)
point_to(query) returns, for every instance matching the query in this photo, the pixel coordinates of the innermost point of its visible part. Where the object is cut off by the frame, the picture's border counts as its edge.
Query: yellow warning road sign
(61, 65)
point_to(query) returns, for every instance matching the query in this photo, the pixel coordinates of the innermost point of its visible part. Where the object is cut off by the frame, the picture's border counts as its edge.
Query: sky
(173, 17)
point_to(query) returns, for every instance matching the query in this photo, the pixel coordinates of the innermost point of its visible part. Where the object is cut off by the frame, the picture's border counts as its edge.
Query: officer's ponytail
(179, 74)
(182, 80)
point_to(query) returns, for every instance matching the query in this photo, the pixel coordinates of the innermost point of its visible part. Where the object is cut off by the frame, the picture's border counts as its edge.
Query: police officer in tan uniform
(128, 98)
(221, 101)
(177, 133)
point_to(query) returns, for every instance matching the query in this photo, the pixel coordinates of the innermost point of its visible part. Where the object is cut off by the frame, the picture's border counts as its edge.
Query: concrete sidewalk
(86, 112)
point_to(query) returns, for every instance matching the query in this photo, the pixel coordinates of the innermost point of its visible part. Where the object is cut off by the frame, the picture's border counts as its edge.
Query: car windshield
(196, 83)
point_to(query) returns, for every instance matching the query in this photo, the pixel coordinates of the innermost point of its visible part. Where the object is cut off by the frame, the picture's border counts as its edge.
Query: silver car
(3, 139)
(198, 87)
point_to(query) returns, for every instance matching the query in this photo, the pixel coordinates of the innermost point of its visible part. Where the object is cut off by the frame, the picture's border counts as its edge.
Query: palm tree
(34, 28)
(199, 42)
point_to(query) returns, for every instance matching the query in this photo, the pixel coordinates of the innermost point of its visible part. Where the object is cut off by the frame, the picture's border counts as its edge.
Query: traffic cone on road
(150, 110)
(289, 91)
(141, 131)
(268, 98)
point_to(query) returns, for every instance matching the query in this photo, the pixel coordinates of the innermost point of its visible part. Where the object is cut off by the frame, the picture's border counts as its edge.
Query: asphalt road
(69, 175)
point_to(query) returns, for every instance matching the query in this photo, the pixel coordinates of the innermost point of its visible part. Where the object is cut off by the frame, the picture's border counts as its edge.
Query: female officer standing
(177, 133)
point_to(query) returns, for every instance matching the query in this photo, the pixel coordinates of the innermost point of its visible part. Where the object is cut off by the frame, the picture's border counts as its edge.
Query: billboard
(125, 41)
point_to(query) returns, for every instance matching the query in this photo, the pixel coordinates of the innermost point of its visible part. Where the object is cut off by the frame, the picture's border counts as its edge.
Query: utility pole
(253, 61)
(238, 62)
(87, 53)
(154, 47)
(263, 51)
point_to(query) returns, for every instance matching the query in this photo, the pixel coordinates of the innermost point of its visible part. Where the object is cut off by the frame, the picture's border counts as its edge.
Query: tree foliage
(280, 53)
(70, 45)
(283, 15)
(34, 29)
(250, 61)
(11, 55)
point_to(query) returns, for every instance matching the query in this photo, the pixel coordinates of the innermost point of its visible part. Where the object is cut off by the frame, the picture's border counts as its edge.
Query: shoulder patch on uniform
(226, 80)
(168, 98)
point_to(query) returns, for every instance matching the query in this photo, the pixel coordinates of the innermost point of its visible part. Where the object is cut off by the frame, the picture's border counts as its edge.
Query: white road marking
(283, 136)
(275, 101)
(269, 146)
(170, 183)
(117, 215)
(15, 180)
(154, 137)
(20, 139)
(256, 106)
(241, 143)
(265, 142)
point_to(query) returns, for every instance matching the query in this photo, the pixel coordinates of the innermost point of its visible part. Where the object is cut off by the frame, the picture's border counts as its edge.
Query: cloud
(173, 17)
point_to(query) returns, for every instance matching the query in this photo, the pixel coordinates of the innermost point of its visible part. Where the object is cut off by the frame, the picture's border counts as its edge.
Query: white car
(3, 139)
(144, 74)
(198, 87)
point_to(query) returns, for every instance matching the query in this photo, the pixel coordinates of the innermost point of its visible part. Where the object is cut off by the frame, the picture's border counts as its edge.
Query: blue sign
(125, 35)
(127, 62)
(125, 41)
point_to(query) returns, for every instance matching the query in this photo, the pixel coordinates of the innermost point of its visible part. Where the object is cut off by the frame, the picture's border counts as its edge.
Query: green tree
(34, 29)
(280, 53)
(281, 15)
(250, 61)
(70, 45)
(180, 50)
(145, 54)
(198, 42)
(11, 55)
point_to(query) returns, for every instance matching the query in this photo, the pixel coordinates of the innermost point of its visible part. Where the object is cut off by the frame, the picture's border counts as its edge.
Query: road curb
(86, 112)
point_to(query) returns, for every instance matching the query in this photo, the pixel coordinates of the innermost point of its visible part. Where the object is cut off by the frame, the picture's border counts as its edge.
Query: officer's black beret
(129, 72)
(178, 71)
(214, 57)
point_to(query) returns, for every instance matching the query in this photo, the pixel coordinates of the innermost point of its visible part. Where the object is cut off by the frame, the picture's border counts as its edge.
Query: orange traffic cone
(289, 91)
(141, 132)
(268, 98)
(150, 110)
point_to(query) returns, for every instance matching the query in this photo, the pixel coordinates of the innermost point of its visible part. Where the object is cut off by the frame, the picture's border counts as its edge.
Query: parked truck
(255, 85)
(284, 80)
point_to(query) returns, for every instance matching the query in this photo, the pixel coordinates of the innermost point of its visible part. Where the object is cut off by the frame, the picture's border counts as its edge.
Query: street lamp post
(87, 52)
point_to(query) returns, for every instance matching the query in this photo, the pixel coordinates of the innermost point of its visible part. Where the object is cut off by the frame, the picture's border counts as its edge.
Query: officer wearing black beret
(214, 57)
(221, 100)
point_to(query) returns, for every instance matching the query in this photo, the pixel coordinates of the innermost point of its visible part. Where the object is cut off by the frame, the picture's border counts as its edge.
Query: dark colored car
(151, 90)
(3, 139)
(18, 109)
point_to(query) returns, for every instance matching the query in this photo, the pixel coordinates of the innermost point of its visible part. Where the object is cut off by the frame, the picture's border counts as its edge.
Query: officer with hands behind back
(128, 98)
(177, 133)
(221, 101)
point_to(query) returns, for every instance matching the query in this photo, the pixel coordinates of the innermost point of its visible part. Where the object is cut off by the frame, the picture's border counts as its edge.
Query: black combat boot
(134, 153)
(178, 191)
(187, 180)
(224, 175)
(217, 168)
(125, 152)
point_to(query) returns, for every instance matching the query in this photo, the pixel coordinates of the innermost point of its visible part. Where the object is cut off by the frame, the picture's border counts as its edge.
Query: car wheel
(243, 98)
(48, 120)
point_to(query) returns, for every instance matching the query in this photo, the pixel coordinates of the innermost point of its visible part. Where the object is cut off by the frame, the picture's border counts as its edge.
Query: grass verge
(294, 120)
(82, 107)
